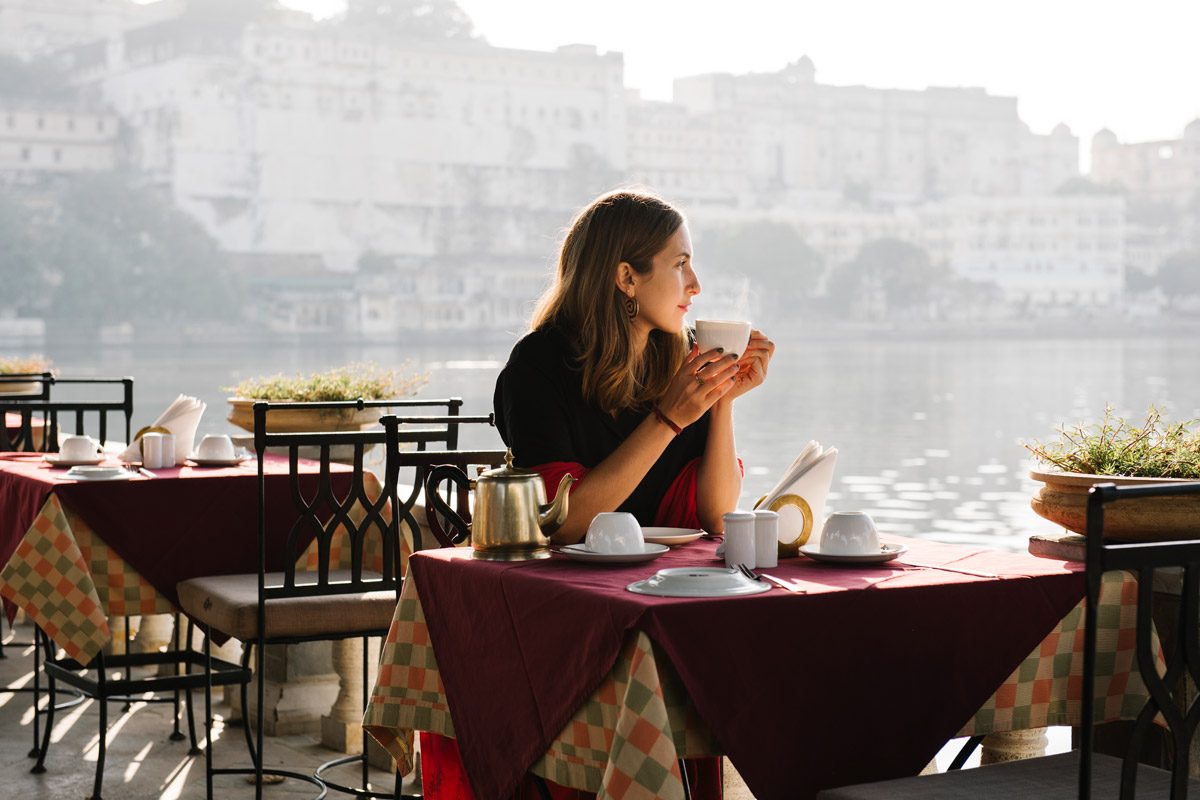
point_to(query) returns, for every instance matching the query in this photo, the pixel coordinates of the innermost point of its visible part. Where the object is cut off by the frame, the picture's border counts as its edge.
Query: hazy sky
(1131, 66)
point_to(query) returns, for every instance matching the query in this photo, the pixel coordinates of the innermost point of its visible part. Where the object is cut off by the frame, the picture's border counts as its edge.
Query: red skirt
(443, 776)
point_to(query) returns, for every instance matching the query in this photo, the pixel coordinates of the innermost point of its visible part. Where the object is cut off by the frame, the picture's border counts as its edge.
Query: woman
(609, 387)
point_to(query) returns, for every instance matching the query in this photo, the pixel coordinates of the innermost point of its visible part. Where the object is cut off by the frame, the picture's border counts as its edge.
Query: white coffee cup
(849, 533)
(615, 533)
(739, 539)
(732, 335)
(77, 448)
(215, 447)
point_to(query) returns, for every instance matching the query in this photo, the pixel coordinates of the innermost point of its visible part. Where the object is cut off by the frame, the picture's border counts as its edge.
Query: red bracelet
(663, 419)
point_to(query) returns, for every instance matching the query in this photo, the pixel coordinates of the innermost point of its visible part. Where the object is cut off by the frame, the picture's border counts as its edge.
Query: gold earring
(631, 306)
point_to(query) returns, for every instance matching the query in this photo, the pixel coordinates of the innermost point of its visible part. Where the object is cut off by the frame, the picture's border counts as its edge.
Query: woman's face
(665, 294)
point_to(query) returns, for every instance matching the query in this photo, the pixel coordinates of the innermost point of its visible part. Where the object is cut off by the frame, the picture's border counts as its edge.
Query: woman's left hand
(752, 366)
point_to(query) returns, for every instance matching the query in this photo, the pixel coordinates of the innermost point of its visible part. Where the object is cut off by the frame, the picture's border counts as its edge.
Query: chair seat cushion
(1047, 778)
(229, 604)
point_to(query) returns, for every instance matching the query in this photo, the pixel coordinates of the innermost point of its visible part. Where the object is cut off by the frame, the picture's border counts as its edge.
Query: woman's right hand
(702, 380)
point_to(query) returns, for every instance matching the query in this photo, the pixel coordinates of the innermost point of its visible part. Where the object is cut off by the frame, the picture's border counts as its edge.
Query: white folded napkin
(810, 477)
(181, 418)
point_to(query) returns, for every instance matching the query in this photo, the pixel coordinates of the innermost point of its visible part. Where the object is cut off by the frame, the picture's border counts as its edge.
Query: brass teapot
(511, 518)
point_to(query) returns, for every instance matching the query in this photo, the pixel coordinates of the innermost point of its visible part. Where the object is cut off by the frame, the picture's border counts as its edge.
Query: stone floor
(142, 762)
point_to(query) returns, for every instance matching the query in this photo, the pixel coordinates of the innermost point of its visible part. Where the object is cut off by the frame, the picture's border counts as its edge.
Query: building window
(100, 125)
(58, 155)
(25, 154)
(70, 123)
(41, 123)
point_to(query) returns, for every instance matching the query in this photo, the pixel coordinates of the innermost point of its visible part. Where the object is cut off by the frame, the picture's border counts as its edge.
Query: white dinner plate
(93, 473)
(698, 582)
(216, 462)
(886, 553)
(581, 552)
(671, 536)
(55, 460)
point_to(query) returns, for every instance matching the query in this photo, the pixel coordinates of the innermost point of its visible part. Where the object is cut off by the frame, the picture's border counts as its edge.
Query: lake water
(928, 431)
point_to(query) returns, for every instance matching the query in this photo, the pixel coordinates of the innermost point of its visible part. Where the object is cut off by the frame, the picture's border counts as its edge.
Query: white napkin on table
(810, 477)
(181, 418)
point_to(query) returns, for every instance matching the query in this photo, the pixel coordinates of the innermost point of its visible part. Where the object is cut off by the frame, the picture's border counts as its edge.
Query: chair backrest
(450, 477)
(1168, 693)
(40, 419)
(422, 432)
(326, 504)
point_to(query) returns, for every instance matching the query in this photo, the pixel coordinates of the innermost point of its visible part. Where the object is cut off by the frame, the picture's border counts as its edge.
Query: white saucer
(581, 552)
(217, 462)
(55, 460)
(886, 553)
(93, 473)
(698, 582)
(671, 536)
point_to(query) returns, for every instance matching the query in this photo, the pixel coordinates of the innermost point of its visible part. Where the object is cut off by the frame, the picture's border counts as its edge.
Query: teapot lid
(508, 471)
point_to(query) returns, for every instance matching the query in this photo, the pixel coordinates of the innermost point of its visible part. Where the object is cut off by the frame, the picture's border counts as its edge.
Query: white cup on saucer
(77, 448)
(731, 335)
(615, 533)
(215, 447)
(849, 533)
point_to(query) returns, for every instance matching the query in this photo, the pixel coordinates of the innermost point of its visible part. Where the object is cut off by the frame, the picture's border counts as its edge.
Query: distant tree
(22, 276)
(426, 19)
(1179, 275)
(896, 273)
(117, 251)
(780, 265)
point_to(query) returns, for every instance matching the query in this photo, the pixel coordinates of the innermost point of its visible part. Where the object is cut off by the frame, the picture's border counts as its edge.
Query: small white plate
(93, 473)
(698, 582)
(581, 552)
(216, 462)
(886, 553)
(55, 460)
(671, 536)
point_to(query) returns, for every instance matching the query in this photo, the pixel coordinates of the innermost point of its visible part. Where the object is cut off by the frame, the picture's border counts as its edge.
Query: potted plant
(17, 365)
(349, 382)
(1115, 450)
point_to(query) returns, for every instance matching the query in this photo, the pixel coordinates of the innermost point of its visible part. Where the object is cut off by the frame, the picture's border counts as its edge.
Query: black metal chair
(1082, 773)
(39, 414)
(37, 431)
(288, 607)
(448, 478)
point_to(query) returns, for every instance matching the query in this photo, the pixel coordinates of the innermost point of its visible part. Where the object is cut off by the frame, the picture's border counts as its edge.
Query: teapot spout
(553, 515)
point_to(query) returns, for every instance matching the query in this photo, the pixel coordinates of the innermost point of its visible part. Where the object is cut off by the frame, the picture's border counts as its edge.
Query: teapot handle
(437, 509)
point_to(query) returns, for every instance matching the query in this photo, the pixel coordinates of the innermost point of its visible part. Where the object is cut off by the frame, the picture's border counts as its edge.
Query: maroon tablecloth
(184, 523)
(864, 678)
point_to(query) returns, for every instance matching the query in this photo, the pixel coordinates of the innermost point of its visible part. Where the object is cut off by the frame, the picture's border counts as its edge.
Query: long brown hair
(584, 300)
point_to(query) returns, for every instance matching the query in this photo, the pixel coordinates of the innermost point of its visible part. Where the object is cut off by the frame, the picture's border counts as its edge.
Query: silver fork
(749, 573)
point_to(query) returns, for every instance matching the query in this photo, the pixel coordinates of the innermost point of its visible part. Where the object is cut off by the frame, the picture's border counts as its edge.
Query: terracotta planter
(241, 413)
(23, 387)
(1063, 500)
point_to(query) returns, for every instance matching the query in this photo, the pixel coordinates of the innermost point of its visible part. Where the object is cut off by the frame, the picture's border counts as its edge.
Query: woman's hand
(702, 380)
(752, 367)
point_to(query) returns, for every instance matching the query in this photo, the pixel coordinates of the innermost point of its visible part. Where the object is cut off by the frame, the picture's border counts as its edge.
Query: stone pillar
(117, 626)
(341, 728)
(153, 633)
(1013, 746)
(300, 687)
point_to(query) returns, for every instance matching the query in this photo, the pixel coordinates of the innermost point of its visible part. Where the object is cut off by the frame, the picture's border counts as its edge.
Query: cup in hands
(613, 533)
(849, 533)
(216, 447)
(731, 335)
(77, 448)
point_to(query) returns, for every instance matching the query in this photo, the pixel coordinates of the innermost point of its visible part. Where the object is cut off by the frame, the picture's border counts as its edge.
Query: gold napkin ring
(792, 548)
(150, 429)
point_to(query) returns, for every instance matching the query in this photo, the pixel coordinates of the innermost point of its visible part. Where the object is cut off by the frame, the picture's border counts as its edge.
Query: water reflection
(928, 431)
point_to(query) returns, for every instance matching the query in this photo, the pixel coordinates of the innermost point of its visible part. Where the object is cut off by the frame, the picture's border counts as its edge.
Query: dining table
(552, 666)
(78, 553)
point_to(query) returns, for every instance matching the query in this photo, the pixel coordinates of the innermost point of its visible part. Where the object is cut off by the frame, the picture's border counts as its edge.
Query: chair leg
(42, 640)
(366, 677)
(683, 774)
(128, 669)
(260, 666)
(244, 692)
(967, 749)
(189, 700)
(37, 691)
(208, 717)
(176, 734)
(102, 700)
